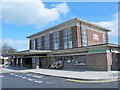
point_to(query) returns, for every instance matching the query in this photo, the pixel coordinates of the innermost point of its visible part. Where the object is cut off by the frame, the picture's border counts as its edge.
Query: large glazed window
(74, 60)
(47, 42)
(33, 44)
(67, 37)
(80, 60)
(56, 40)
(84, 36)
(39, 43)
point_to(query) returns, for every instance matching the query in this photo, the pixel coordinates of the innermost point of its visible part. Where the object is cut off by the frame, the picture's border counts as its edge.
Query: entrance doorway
(28, 62)
(40, 65)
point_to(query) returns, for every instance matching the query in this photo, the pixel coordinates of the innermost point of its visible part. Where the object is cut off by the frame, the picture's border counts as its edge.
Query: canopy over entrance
(31, 53)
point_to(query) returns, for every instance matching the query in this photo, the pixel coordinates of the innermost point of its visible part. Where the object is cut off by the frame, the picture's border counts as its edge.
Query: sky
(21, 19)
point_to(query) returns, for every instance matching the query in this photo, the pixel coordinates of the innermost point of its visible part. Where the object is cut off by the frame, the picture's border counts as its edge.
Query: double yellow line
(94, 81)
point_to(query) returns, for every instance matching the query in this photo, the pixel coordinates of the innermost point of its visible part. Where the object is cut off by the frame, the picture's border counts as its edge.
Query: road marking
(97, 81)
(2, 76)
(38, 81)
(12, 74)
(30, 79)
(29, 74)
(23, 77)
(27, 78)
(50, 82)
(16, 75)
(36, 76)
(20, 76)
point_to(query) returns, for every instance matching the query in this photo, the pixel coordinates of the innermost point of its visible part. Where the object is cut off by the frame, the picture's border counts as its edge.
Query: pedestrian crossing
(31, 77)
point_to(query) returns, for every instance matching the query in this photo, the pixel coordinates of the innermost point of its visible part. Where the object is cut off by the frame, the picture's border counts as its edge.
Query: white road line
(37, 76)
(23, 77)
(16, 75)
(12, 74)
(30, 79)
(2, 76)
(32, 75)
(50, 82)
(38, 81)
(20, 76)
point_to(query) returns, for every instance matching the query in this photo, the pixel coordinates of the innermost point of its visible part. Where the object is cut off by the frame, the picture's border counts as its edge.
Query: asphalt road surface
(31, 80)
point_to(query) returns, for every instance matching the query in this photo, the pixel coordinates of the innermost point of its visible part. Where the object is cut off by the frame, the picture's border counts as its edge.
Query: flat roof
(71, 20)
(31, 52)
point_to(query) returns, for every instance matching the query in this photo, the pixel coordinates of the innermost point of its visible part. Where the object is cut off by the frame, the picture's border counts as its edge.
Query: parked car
(56, 66)
(6, 64)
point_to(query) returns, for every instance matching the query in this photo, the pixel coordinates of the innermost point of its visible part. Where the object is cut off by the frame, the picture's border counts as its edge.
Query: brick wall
(74, 37)
(91, 41)
(97, 61)
(79, 36)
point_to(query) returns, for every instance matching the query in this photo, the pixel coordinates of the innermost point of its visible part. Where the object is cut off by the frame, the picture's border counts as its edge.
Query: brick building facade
(77, 43)
(94, 34)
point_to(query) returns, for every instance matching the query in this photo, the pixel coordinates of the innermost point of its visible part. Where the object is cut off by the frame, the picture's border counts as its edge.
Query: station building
(78, 43)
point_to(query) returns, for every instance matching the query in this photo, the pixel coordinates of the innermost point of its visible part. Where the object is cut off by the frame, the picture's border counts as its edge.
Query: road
(32, 80)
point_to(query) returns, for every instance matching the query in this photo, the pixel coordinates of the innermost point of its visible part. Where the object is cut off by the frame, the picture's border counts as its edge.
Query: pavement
(81, 75)
(77, 75)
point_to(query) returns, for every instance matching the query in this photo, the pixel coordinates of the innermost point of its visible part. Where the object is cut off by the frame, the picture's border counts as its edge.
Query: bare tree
(7, 50)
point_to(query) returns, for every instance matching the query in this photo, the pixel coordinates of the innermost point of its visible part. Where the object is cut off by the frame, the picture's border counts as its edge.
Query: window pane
(56, 40)
(84, 36)
(80, 60)
(33, 44)
(67, 37)
(47, 42)
(39, 43)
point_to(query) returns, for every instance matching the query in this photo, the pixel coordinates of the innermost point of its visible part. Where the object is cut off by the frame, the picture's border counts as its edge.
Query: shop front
(84, 61)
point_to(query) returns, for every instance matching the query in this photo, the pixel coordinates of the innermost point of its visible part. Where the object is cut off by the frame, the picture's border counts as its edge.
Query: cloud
(17, 44)
(61, 8)
(31, 12)
(111, 25)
